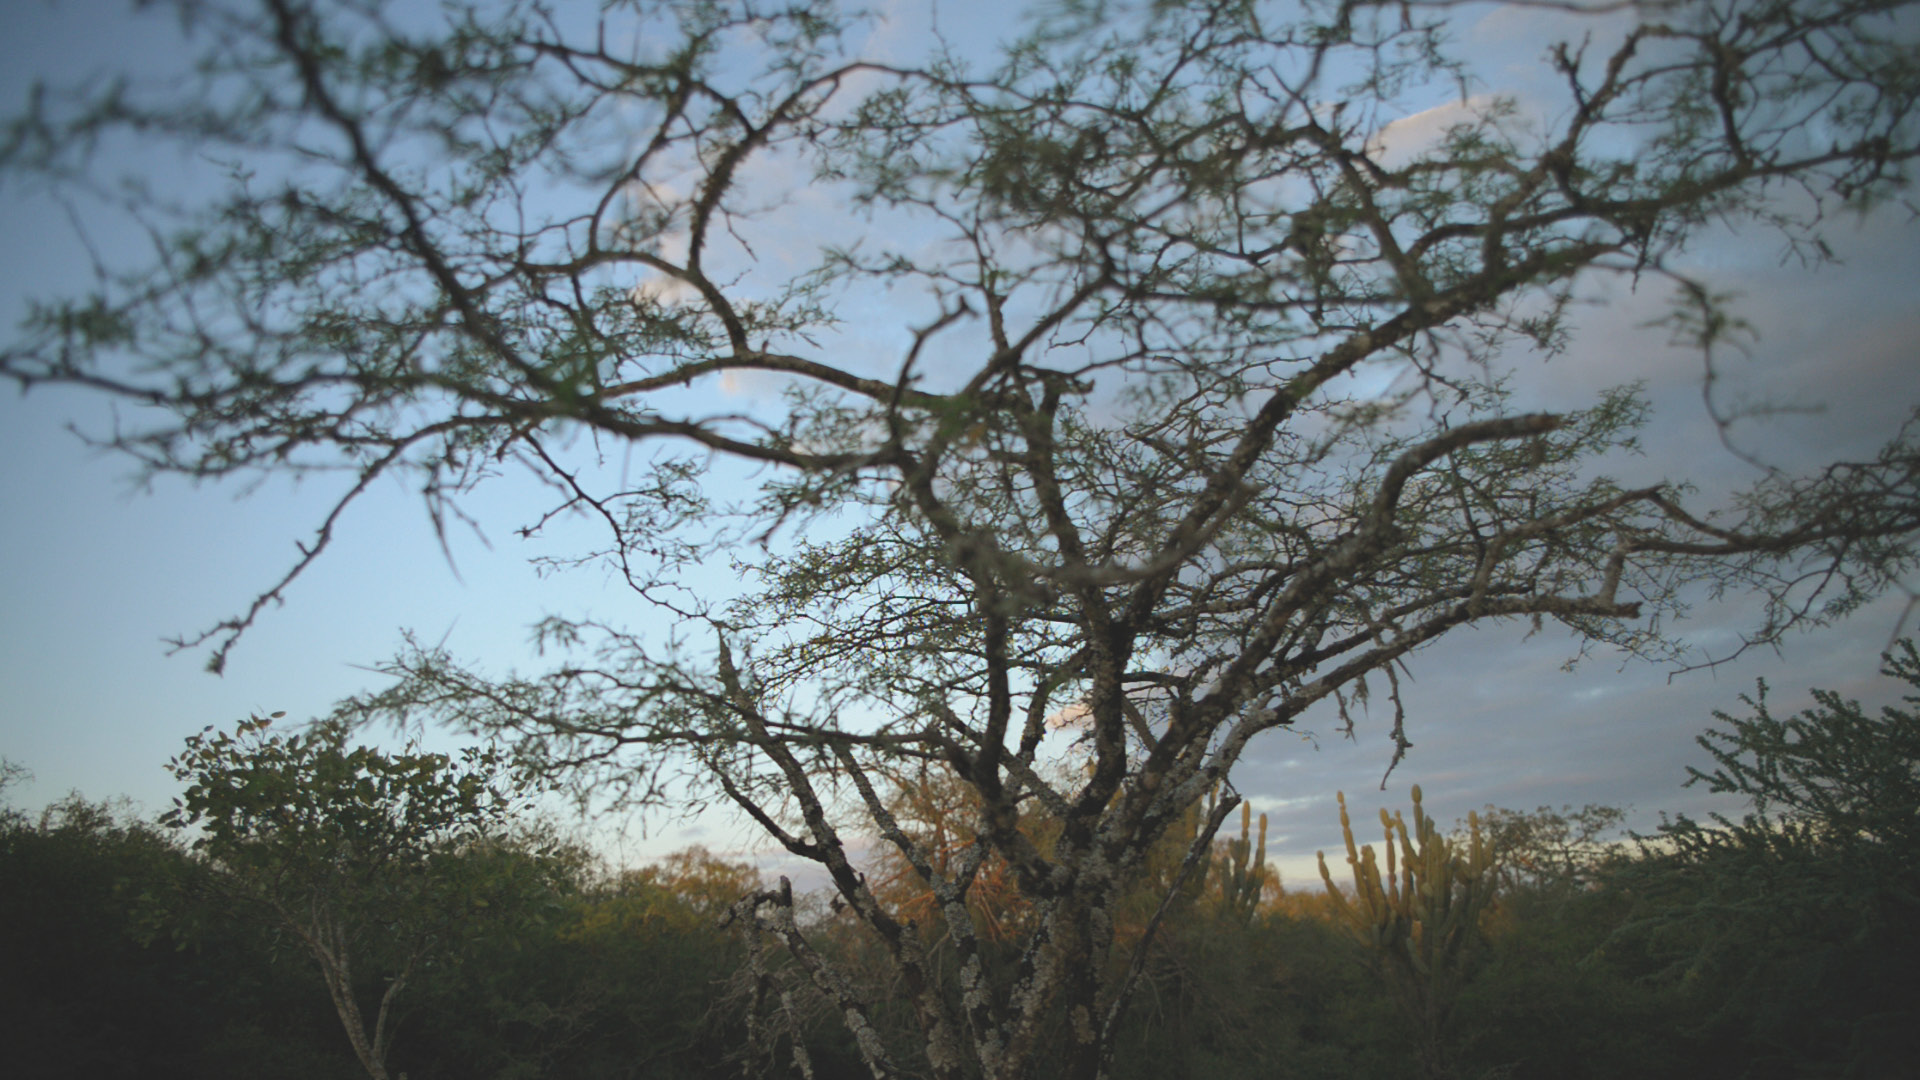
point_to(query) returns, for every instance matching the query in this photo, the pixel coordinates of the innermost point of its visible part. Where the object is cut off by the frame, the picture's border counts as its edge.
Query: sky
(95, 574)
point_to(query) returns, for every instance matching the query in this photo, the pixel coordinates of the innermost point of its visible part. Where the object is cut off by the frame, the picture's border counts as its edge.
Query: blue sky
(94, 574)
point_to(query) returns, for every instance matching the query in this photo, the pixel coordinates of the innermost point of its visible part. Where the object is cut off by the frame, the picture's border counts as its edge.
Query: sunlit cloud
(1405, 139)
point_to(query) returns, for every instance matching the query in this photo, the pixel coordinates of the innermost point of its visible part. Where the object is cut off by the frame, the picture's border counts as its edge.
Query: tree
(1095, 464)
(1833, 786)
(355, 854)
(93, 990)
(1813, 895)
(1549, 854)
(658, 965)
(1832, 834)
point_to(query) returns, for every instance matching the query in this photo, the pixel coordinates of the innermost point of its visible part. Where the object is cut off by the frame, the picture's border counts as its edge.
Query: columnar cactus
(1243, 879)
(1420, 917)
(1234, 878)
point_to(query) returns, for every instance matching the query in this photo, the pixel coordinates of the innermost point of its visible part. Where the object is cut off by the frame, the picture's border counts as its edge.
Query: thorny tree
(1066, 431)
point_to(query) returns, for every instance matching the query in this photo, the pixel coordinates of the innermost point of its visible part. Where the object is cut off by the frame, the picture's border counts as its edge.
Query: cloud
(1074, 717)
(1493, 716)
(1833, 345)
(1405, 139)
(664, 288)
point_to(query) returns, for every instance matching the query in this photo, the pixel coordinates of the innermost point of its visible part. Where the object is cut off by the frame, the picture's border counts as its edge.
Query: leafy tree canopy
(360, 857)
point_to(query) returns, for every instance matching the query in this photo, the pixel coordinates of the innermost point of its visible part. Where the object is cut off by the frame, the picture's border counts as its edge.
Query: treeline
(120, 959)
(304, 886)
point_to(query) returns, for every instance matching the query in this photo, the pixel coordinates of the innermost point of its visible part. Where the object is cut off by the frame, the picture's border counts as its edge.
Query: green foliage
(567, 972)
(1546, 1003)
(1834, 791)
(1276, 997)
(1706, 954)
(613, 975)
(88, 990)
(266, 807)
(1811, 896)
(372, 864)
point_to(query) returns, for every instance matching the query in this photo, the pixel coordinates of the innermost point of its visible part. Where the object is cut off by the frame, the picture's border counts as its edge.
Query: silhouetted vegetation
(1531, 944)
(1158, 372)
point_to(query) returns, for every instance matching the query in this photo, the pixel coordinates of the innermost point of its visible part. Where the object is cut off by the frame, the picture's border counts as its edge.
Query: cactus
(1243, 879)
(1420, 917)
(1233, 881)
